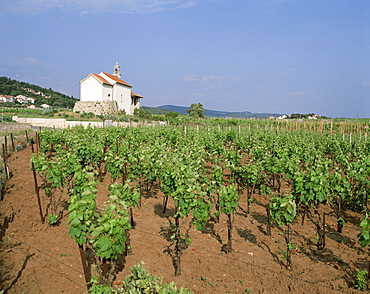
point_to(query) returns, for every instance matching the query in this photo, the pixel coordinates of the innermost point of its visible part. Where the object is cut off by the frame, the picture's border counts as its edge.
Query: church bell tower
(117, 71)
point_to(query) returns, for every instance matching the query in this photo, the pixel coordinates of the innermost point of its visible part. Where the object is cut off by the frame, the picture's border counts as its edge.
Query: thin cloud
(24, 62)
(96, 6)
(187, 5)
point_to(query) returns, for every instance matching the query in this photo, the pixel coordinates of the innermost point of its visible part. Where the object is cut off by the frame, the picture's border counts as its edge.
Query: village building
(314, 116)
(6, 98)
(106, 94)
(21, 98)
(31, 99)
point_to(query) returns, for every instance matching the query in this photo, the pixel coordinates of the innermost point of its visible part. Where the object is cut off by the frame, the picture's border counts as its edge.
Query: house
(21, 98)
(107, 89)
(6, 98)
(282, 117)
(314, 116)
(45, 105)
(30, 90)
(32, 106)
(31, 99)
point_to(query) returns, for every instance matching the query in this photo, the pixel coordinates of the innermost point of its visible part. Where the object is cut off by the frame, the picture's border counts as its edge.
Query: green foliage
(311, 186)
(229, 199)
(101, 289)
(361, 280)
(155, 110)
(141, 281)
(173, 118)
(53, 219)
(142, 113)
(171, 115)
(196, 110)
(364, 235)
(284, 253)
(282, 209)
(82, 214)
(110, 230)
(193, 169)
(13, 88)
(87, 115)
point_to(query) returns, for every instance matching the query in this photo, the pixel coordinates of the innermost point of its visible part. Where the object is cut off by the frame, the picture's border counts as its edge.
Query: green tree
(196, 110)
(142, 113)
(172, 115)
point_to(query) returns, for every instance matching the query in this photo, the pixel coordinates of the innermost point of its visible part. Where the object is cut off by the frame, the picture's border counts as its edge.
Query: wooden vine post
(12, 139)
(37, 190)
(6, 146)
(87, 273)
(177, 257)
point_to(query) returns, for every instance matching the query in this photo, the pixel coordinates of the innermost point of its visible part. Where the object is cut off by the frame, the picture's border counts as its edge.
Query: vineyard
(260, 208)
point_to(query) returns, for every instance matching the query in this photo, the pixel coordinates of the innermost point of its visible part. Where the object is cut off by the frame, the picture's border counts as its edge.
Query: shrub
(361, 280)
(140, 281)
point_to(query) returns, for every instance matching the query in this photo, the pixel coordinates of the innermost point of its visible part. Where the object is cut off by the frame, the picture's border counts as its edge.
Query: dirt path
(36, 258)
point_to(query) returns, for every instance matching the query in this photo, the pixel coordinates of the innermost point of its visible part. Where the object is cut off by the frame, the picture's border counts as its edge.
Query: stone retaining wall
(96, 107)
(62, 123)
(9, 127)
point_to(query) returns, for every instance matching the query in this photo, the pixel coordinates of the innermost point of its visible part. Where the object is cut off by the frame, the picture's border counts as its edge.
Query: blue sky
(279, 56)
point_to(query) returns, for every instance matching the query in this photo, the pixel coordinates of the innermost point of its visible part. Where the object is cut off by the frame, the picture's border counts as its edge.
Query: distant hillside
(155, 110)
(43, 95)
(216, 113)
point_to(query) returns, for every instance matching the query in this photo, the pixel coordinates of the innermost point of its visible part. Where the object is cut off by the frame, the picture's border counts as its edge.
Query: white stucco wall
(122, 95)
(107, 94)
(92, 90)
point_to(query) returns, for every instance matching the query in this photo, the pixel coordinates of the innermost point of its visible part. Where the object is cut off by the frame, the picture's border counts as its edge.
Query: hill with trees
(209, 113)
(13, 88)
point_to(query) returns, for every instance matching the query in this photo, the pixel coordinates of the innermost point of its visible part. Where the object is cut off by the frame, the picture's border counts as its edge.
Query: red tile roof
(101, 79)
(117, 80)
(136, 95)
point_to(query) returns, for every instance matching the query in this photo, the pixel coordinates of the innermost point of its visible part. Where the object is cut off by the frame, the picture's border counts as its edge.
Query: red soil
(37, 258)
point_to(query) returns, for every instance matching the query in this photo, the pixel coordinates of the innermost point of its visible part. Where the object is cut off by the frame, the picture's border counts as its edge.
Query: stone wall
(62, 123)
(9, 127)
(96, 107)
(58, 123)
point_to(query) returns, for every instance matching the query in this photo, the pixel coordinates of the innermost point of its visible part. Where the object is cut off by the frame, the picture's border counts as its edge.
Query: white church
(107, 94)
